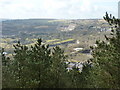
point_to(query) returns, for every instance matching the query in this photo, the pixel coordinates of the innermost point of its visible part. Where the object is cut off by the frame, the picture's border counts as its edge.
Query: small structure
(78, 49)
(72, 65)
(5, 53)
(95, 45)
(78, 42)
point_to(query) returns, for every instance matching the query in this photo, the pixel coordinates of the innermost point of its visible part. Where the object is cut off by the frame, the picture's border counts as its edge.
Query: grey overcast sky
(58, 9)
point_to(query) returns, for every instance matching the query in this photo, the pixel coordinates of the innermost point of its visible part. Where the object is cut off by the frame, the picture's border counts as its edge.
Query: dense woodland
(39, 66)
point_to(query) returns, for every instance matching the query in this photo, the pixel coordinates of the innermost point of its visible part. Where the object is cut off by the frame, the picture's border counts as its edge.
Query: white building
(78, 42)
(78, 49)
(5, 53)
(95, 45)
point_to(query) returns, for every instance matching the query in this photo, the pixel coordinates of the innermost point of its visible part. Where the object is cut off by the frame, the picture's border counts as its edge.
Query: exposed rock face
(69, 27)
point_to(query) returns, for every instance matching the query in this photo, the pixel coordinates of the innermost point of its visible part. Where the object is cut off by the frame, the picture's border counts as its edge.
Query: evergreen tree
(58, 68)
(35, 67)
(106, 61)
(6, 71)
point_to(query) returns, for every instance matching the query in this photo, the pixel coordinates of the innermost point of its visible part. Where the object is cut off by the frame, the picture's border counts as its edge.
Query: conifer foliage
(34, 67)
(106, 61)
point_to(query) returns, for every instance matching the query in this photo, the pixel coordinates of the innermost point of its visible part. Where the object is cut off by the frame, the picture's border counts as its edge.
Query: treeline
(39, 66)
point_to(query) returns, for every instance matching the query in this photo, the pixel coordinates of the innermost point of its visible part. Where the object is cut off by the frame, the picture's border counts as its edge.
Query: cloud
(61, 9)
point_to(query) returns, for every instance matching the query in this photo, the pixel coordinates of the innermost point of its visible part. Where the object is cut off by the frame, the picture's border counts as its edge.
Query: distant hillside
(15, 27)
(68, 34)
(3, 19)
